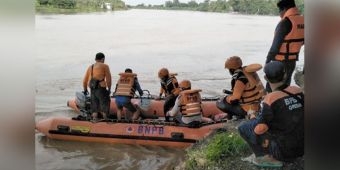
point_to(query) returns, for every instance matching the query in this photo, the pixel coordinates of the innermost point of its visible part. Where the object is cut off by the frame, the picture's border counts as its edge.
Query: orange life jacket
(254, 90)
(125, 84)
(191, 103)
(292, 43)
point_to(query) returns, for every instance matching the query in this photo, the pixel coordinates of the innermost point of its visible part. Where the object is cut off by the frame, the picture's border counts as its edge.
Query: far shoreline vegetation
(249, 7)
(77, 6)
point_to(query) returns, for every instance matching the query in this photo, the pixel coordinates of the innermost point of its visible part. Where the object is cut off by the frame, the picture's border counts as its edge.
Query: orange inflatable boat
(148, 105)
(144, 132)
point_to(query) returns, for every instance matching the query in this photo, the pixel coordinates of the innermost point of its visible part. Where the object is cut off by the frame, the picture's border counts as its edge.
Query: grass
(224, 150)
(223, 146)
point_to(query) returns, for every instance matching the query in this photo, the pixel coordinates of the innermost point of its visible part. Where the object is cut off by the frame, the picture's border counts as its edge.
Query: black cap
(285, 4)
(128, 70)
(100, 56)
(274, 71)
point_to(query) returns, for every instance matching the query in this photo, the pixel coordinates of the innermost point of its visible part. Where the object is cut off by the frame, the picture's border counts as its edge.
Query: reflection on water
(192, 44)
(82, 155)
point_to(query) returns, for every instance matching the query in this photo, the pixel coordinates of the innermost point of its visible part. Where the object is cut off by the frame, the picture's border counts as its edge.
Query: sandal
(267, 162)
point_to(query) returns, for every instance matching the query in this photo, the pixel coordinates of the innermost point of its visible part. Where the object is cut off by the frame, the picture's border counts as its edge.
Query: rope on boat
(151, 122)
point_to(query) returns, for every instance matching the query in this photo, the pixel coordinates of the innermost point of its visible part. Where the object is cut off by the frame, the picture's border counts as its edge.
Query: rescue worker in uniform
(169, 86)
(188, 108)
(247, 89)
(125, 90)
(288, 39)
(98, 78)
(277, 133)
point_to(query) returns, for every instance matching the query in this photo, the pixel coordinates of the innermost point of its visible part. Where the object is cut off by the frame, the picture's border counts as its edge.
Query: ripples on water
(83, 155)
(192, 44)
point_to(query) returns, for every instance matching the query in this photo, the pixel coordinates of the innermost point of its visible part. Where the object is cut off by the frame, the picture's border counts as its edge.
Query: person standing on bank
(98, 79)
(125, 90)
(288, 39)
(169, 86)
(277, 133)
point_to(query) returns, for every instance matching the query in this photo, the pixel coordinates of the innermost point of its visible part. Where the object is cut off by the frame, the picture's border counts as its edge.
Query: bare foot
(220, 116)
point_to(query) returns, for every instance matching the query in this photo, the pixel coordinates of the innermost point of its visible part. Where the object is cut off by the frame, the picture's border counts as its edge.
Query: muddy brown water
(192, 44)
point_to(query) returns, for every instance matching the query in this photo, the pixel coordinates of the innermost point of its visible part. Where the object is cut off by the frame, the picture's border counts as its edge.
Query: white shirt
(176, 110)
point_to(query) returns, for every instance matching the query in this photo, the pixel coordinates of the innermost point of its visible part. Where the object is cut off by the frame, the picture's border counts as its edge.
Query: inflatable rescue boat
(150, 107)
(143, 132)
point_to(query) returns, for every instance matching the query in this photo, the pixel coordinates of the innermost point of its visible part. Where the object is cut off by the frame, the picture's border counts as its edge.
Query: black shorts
(230, 109)
(100, 100)
(169, 103)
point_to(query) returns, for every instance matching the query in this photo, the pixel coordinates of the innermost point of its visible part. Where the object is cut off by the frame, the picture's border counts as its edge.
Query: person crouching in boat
(188, 108)
(98, 78)
(247, 89)
(169, 86)
(125, 90)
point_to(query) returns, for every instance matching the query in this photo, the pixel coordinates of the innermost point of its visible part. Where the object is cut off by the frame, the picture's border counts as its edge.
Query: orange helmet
(233, 62)
(185, 84)
(163, 72)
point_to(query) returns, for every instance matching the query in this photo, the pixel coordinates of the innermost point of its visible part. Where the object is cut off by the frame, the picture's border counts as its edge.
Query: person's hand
(85, 92)
(227, 91)
(232, 101)
(251, 114)
(235, 102)
(158, 97)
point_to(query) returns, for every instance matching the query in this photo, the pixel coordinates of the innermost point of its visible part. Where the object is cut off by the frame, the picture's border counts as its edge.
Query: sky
(153, 2)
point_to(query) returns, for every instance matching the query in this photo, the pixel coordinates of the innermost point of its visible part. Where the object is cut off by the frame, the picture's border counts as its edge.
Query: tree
(235, 4)
(176, 3)
(204, 6)
(300, 6)
(192, 4)
(219, 6)
(168, 4)
(141, 5)
(43, 2)
(261, 7)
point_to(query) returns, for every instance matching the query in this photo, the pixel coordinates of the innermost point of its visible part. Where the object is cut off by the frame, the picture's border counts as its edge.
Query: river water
(193, 44)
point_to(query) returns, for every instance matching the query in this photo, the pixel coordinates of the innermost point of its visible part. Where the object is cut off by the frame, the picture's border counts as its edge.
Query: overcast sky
(153, 2)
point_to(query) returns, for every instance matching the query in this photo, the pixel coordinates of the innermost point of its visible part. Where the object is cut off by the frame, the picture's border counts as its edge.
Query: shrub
(43, 2)
(225, 145)
(222, 145)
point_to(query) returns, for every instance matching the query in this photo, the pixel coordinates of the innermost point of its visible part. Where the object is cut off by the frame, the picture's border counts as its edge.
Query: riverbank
(52, 10)
(77, 6)
(226, 156)
(245, 7)
(224, 150)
